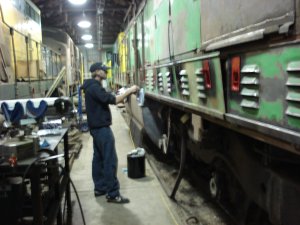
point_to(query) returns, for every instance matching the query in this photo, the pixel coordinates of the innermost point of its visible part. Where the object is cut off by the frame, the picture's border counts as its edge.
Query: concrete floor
(149, 204)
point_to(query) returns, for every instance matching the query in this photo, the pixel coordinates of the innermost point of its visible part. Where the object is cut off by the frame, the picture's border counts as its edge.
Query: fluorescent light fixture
(84, 24)
(89, 45)
(87, 37)
(77, 2)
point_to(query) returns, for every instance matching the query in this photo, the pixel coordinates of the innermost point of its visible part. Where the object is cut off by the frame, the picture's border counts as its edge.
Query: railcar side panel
(269, 88)
(161, 31)
(149, 26)
(195, 84)
(130, 38)
(225, 75)
(223, 24)
(184, 27)
(140, 50)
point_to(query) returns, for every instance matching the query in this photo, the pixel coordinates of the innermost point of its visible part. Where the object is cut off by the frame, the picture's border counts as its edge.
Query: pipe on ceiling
(100, 4)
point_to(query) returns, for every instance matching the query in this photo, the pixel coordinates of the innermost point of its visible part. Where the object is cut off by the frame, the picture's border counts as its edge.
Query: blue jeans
(105, 162)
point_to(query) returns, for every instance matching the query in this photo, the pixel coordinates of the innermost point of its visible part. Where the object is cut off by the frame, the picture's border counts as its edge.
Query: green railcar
(224, 73)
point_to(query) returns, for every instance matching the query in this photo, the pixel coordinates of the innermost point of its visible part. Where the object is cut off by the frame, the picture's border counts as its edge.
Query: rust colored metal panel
(226, 23)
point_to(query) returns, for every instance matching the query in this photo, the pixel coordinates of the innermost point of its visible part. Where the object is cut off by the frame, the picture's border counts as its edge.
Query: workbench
(49, 172)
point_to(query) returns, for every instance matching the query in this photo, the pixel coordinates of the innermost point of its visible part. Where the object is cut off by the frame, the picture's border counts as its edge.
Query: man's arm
(129, 91)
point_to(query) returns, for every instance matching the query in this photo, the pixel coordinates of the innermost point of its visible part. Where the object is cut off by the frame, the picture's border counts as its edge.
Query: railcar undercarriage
(253, 181)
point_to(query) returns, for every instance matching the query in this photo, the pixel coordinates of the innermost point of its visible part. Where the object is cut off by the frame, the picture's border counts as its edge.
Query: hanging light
(77, 2)
(89, 45)
(87, 37)
(84, 24)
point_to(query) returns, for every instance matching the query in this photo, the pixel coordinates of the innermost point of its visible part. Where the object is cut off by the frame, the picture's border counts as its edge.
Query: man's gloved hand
(134, 89)
(129, 91)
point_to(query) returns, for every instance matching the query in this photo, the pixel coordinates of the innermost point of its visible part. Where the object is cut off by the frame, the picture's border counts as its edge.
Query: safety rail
(56, 81)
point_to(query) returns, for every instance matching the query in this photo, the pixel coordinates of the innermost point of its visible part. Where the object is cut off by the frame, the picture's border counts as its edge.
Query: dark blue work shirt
(97, 101)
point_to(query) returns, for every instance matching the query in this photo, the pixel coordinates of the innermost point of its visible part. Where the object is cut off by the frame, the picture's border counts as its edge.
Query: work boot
(118, 199)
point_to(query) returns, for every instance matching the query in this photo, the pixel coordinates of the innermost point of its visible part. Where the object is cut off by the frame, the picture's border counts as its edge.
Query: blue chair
(38, 112)
(15, 115)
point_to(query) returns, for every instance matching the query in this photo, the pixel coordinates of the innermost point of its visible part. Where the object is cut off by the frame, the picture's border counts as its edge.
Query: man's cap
(98, 66)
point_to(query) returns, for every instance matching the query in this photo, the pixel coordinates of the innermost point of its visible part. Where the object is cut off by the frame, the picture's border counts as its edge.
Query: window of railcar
(39, 19)
(60, 62)
(33, 59)
(21, 56)
(39, 60)
(57, 64)
(31, 13)
(17, 4)
(43, 64)
(36, 15)
(53, 61)
(49, 63)
(55, 69)
(27, 9)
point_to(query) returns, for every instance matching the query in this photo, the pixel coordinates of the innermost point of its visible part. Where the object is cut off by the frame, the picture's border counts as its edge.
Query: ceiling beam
(63, 15)
(113, 9)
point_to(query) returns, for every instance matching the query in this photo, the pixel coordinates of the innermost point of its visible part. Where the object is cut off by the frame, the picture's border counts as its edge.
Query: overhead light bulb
(84, 24)
(87, 37)
(89, 45)
(77, 2)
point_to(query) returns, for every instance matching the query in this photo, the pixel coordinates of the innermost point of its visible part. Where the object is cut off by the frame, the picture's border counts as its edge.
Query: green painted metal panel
(249, 104)
(161, 17)
(130, 51)
(272, 63)
(293, 111)
(171, 31)
(139, 43)
(249, 92)
(149, 26)
(236, 21)
(294, 122)
(274, 88)
(150, 81)
(130, 42)
(175, 89)
(162, 80)
(187, 84)
(293, 66)
(272, 110)
(293, 96)
(185, 26)
(139, 34)
(249, 80)
(293, 81)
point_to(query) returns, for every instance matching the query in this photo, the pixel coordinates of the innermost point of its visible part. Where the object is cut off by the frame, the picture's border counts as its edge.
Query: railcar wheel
(218, 185)
(214, 186)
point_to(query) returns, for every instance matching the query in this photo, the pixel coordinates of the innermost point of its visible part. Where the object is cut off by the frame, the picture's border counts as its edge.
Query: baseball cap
(98, 66)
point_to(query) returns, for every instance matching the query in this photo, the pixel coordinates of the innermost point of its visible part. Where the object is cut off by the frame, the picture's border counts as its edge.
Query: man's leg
(110, 162)
(98, 166)
(110, 167)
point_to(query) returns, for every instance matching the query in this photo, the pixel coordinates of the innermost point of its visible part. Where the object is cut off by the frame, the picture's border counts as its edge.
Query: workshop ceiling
(108, 18)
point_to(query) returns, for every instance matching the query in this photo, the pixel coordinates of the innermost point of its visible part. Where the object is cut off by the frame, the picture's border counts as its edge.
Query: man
(104, 165)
